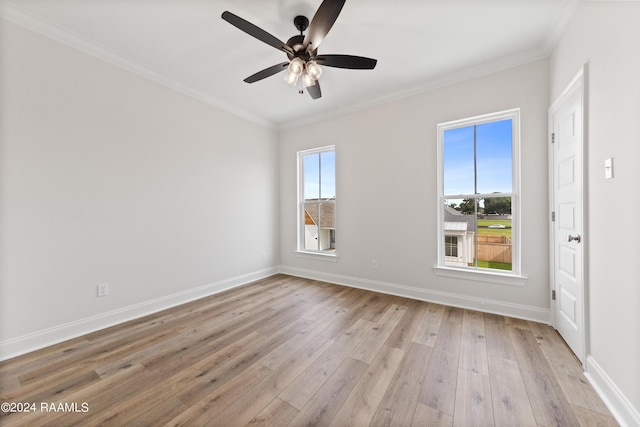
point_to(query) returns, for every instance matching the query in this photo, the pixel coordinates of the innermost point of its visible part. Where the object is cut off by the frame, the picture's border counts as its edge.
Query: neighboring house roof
(327, 214)
(452, 216)
(455, 226)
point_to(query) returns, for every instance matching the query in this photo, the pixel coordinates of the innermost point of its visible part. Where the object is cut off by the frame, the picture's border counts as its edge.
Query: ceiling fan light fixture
(307, 79)
(291, 78)
(314, 70)
(302, 50)
(296, 66)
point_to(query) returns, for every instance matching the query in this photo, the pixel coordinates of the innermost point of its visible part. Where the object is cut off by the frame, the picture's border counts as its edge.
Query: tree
(468, 206)
(498, 205)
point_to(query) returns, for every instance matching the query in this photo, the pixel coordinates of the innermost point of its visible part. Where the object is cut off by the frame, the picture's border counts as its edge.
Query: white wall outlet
(374, 264)
(103, 289)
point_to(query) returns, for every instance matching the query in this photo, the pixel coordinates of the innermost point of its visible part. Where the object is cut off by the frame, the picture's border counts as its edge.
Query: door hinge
(553, 138)
(553, 294)
(553, 216)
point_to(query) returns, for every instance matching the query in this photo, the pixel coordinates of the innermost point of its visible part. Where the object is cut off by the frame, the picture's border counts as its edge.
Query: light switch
(608, 168)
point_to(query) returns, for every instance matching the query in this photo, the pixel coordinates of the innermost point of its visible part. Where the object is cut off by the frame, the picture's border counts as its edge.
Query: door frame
(578, 83)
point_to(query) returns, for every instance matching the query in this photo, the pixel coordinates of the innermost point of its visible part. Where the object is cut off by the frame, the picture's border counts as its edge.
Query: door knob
(575, 238)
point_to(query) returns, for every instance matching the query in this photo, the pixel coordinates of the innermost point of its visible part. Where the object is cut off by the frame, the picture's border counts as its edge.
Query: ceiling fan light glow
(314, 70)
(291, 78)
(307, 79)
(296, 66)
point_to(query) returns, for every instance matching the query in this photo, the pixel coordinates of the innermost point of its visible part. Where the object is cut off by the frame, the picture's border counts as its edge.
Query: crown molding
(20, 16)
(429, 85)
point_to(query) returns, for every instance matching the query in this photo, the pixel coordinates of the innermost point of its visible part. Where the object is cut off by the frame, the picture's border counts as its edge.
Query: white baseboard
(620, 407)
(456, 300)
(26, 343)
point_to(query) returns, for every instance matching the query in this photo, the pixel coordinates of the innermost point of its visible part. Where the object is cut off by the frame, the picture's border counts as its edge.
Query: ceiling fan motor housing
(297, 42)
(301, 23)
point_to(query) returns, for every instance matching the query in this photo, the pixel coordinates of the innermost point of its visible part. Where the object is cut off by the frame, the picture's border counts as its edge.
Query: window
(317, 200)
(478, 185)
(451, 246)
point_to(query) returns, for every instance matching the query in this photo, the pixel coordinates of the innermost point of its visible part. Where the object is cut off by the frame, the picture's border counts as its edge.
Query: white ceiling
(419, 44)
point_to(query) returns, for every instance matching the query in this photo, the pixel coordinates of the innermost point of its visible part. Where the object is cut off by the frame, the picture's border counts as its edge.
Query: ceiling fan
(302, 50)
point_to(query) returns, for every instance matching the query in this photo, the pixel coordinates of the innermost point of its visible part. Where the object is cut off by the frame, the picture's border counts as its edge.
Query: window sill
(481, 276)
(331, 257)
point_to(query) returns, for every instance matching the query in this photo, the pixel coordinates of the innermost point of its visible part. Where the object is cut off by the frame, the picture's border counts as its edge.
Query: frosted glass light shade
(314, 70)
(296, 66)
(291, 78)
(307, 80)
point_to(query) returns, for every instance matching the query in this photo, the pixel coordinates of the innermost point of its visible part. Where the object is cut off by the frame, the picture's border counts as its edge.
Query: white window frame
(301, 250)
(513, 277)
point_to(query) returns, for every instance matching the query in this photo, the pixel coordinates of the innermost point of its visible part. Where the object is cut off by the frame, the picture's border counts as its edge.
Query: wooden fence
(495, 248)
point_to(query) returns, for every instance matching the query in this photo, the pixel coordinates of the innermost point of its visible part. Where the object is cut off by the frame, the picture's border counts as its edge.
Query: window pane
(494, 157)
(328, 175)
(311, 170)
(458, 161)
(451, 246)
(494, 240)
(311, 220)
(319, 226)
(459, 228)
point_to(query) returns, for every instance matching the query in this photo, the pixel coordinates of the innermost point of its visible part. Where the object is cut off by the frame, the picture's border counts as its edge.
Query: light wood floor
(289, 351)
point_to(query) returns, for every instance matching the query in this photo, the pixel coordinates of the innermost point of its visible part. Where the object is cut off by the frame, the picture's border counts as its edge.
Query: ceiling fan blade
(267, 72)
(314, 90)
(322, 22)
(256, 32)
(347, 61)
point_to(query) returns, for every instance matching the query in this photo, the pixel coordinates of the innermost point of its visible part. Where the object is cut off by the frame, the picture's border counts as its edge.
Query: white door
(567, 234)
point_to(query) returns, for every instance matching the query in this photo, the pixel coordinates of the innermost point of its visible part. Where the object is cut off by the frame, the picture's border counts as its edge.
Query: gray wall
(387, 197)
(109, 177)
(605, 36)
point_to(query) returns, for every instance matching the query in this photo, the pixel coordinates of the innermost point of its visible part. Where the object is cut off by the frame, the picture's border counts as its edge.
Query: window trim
(300, 249)
(513, 277)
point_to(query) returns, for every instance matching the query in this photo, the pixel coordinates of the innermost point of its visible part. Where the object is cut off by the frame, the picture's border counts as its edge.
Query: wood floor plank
(549, 404)
(245, 408)
(511, 405)
(327, 401)
(354, 313)
(403, 333)
(300, 391)
(277, 413)
(362, 403)
(439, 388)
(567, 369)
(30, 361)
(197, 380)
(202, 411)
(291, 351)
(498, 339)
(473, 347)
(473, 405)
(375, 338)
(426, 416)
(589, 418)
(59, 385)
(284, 351)
(99, 395)
(427, 333)
(401, 399)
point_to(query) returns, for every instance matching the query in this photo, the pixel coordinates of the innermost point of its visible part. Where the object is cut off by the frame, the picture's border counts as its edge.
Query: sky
(320, 175)
(494, 159)
(494, 163)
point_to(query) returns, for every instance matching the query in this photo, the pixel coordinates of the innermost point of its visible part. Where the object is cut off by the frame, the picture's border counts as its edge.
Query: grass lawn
(484, 231)
(495, 265)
